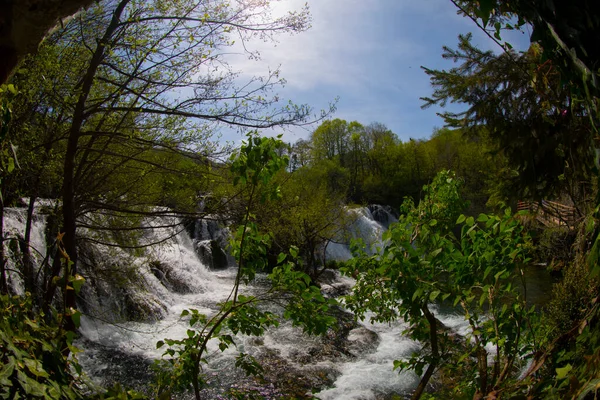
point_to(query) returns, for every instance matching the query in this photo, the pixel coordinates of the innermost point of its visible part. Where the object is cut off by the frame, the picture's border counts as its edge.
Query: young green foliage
(254, 167)
(423, 264)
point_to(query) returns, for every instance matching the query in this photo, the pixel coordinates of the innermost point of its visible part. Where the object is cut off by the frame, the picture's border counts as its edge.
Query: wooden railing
(551, 213)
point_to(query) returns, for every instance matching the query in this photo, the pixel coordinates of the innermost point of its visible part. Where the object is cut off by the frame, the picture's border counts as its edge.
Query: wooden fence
(551, 213)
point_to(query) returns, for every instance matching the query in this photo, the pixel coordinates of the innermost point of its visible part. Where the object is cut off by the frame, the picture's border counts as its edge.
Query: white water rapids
(170, 277)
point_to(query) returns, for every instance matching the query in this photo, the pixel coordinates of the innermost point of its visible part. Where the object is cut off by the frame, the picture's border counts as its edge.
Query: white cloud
(340, 49)
(366, 52)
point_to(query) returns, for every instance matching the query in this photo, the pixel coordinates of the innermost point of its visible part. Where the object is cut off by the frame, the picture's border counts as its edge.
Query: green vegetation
(254, 167)
(540, 109)
(113, 119)
(423, 263)
(370, 165)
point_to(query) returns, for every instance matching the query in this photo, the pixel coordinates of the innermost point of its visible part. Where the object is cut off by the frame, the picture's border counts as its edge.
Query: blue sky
(368, 54)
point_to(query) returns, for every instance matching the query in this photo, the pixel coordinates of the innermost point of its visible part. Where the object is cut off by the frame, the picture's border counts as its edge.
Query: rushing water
(123, 321)
(363, 369)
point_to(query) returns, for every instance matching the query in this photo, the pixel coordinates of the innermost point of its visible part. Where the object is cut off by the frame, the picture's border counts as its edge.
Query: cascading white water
(169, 278)
(371, 374)
(366, 372)
(14, 230)
(363, 226)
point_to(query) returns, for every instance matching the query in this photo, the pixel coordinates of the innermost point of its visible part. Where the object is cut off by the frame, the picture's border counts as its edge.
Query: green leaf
(461, 219)
(281, 258)
(497, 276)
(433, 295)
(562, 373)
(75, 316)
(160, 344)
(6, 372)
(487, 271)
(486, 7)
(36, 368)
(31, 387)
(436, 252)
(482, 299)
(417, 293)
(77, 281)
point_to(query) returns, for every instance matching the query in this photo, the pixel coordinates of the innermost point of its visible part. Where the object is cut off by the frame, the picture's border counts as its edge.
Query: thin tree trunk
(435, 353)
(50, 284)
(69, 205)
(3, 282)
(28, 270)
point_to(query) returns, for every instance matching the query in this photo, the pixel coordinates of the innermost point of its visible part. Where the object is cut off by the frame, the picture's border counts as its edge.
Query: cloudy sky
(368, 54)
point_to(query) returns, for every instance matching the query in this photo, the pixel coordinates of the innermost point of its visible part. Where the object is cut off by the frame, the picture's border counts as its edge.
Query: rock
(361, 341)
(170, 279)
(23, 25)
(211, 254)
(328, 276)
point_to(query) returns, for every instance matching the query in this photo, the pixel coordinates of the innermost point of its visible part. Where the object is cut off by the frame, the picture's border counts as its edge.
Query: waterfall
(14, 231)
(133, 298)
(363, 226)
(385, 215)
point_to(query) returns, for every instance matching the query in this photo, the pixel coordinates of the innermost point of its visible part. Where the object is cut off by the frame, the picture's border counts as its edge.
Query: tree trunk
(28, 268)
(70, 206)
(435, 353)
(3, 282)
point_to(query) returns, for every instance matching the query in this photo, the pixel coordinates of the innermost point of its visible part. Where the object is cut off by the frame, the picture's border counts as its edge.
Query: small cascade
(372, 374)
(14, 233)
(210, 240)
(141, 284)
(363, 226)
(385, 215)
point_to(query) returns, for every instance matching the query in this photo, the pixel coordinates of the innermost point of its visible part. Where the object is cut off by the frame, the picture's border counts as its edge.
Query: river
(122, 323)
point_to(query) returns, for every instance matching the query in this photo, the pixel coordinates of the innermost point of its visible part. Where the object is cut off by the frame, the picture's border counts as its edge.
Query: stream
(353, 363)
(122, 323)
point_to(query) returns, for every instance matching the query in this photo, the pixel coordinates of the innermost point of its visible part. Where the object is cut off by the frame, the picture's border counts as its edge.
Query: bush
(571, 298)
(34, 354)
(554, 246)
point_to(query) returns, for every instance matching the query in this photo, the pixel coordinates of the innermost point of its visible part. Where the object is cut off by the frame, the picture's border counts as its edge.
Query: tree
(526, 111)
(383, 183)
(416, 167)
(132, 93)
(566, 31)
(422, 263)
(300, 154)
(356, 162)
(379, 140)
(309, 216)
(139, 58)
(472, 158)
(564, 72)
(330, 141)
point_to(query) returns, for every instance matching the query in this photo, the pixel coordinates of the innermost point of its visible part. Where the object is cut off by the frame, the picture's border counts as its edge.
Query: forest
(110, 152)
